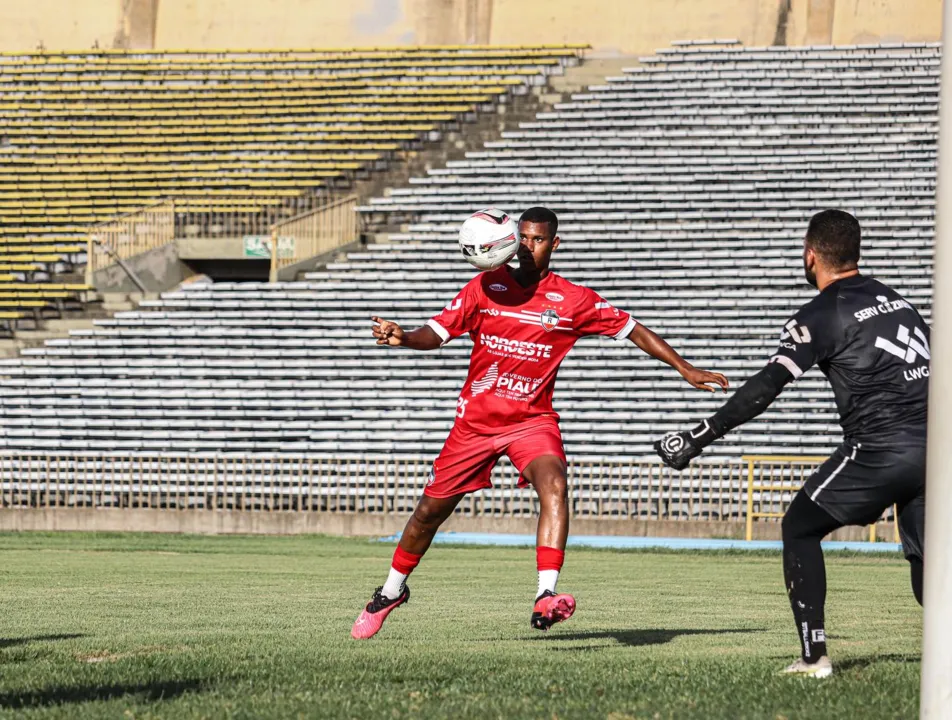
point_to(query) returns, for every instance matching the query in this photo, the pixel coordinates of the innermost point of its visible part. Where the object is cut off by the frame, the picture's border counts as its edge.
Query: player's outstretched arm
(678, 449)
(656, 347)
(387, 332)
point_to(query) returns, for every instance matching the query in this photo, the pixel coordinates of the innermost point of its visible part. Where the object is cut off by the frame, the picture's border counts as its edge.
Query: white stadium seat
(683, 187)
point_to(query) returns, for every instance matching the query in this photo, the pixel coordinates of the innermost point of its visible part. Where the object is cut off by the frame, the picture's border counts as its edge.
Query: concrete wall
(58, 24)
(619, 26)
(210, 248)
(282, 23)
(612, 27)
(865, 21)
(137, 20)
(321, 23)
(218, 522)
(158, 270)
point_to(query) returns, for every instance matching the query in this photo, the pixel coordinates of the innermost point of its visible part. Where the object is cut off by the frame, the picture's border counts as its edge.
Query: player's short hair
(541, 215)
(835, 236)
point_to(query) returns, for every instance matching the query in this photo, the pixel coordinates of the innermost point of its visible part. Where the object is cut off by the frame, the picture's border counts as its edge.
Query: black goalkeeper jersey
(873, 346)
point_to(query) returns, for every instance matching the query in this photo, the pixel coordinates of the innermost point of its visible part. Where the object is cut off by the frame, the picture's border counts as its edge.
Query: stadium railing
(757, 486)
(312, 233)
(352, 484)
(128, 235)
(773, 480)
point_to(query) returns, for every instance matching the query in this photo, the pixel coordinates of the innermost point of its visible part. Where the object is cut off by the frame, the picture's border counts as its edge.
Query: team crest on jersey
(550, 320)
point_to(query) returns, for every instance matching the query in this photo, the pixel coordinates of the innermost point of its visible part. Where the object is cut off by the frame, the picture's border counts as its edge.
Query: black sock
(804, 571)
(915, 566)
(805, 576)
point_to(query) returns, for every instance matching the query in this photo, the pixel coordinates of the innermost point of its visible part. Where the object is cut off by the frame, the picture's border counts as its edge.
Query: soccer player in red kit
(523, 322)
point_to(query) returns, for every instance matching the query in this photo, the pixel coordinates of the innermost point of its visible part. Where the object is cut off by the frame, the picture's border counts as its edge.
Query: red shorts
(467, 458)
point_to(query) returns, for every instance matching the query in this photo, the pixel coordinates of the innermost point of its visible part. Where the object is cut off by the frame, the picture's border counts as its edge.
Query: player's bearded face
(809, 266)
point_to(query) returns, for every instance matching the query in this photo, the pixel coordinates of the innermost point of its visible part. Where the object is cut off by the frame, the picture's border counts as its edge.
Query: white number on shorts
(461, 407)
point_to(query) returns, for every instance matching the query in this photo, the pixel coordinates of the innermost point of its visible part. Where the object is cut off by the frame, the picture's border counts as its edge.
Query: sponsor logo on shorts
(517, 349)
(489, 311)
(498, 287)
(550, 320)
(554, 297)
(431, 477)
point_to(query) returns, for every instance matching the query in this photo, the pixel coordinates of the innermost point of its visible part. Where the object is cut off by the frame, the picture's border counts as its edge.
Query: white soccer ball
(489, 238)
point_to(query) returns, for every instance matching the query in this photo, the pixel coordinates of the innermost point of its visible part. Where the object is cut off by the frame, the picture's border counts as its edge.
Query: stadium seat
(683, 188)
(105, 133)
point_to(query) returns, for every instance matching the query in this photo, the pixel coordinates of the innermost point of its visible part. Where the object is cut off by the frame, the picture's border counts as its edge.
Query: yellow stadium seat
(40, 295)
(91, 134)
(42, 287)
(14, 302)
(27, 259)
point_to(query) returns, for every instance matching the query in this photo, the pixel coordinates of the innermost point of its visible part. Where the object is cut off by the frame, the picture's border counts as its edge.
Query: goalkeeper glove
(677, 450)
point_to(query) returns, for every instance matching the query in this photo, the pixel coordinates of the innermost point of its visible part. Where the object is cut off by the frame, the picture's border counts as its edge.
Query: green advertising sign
(259, 246)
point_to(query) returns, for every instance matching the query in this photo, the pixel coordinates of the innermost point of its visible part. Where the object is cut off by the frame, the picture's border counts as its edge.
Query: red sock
(404, 562)
(549, 558)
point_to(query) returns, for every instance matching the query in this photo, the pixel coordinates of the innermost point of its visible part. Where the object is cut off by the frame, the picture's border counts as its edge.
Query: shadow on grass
(13, 642)
(637, 638)
(147, 692)
(859, 663)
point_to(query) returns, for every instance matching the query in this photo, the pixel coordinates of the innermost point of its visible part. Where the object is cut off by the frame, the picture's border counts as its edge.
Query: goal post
(936, 683)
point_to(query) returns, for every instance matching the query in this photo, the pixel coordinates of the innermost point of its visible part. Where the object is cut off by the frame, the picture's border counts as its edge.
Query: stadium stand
(89, 136)
(29, 288)
(683, 186)
(236, 139)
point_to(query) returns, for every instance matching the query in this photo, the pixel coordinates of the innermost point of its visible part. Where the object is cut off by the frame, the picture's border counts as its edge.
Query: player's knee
(554, 486)
(427, 516)
(790, 528)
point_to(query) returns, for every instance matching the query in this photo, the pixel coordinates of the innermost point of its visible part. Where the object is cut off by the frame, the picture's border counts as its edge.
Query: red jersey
(520, 337)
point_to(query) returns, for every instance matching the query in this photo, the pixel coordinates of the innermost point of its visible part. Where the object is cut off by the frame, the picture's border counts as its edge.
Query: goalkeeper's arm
(678, 449)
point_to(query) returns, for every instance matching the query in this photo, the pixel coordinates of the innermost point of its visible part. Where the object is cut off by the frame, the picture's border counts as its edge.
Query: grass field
(139, 626)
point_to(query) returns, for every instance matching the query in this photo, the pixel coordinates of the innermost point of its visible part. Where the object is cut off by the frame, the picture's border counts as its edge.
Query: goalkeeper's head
(831, 245)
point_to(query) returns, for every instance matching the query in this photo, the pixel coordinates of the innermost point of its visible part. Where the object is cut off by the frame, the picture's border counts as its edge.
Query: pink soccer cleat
(551, 609)
(371, 618)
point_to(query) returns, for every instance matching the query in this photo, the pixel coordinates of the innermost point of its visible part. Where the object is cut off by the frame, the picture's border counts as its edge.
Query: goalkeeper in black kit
(873, 346)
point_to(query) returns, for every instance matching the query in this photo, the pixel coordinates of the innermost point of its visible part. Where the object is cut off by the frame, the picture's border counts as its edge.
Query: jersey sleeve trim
(626, 331)
(789, 364)
(439, 330)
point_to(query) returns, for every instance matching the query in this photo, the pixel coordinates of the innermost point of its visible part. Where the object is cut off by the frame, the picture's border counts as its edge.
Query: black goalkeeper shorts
(855, 487)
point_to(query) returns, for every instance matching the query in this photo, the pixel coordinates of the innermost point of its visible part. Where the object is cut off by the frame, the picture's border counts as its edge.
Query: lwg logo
(908, 347)
(798, 333)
